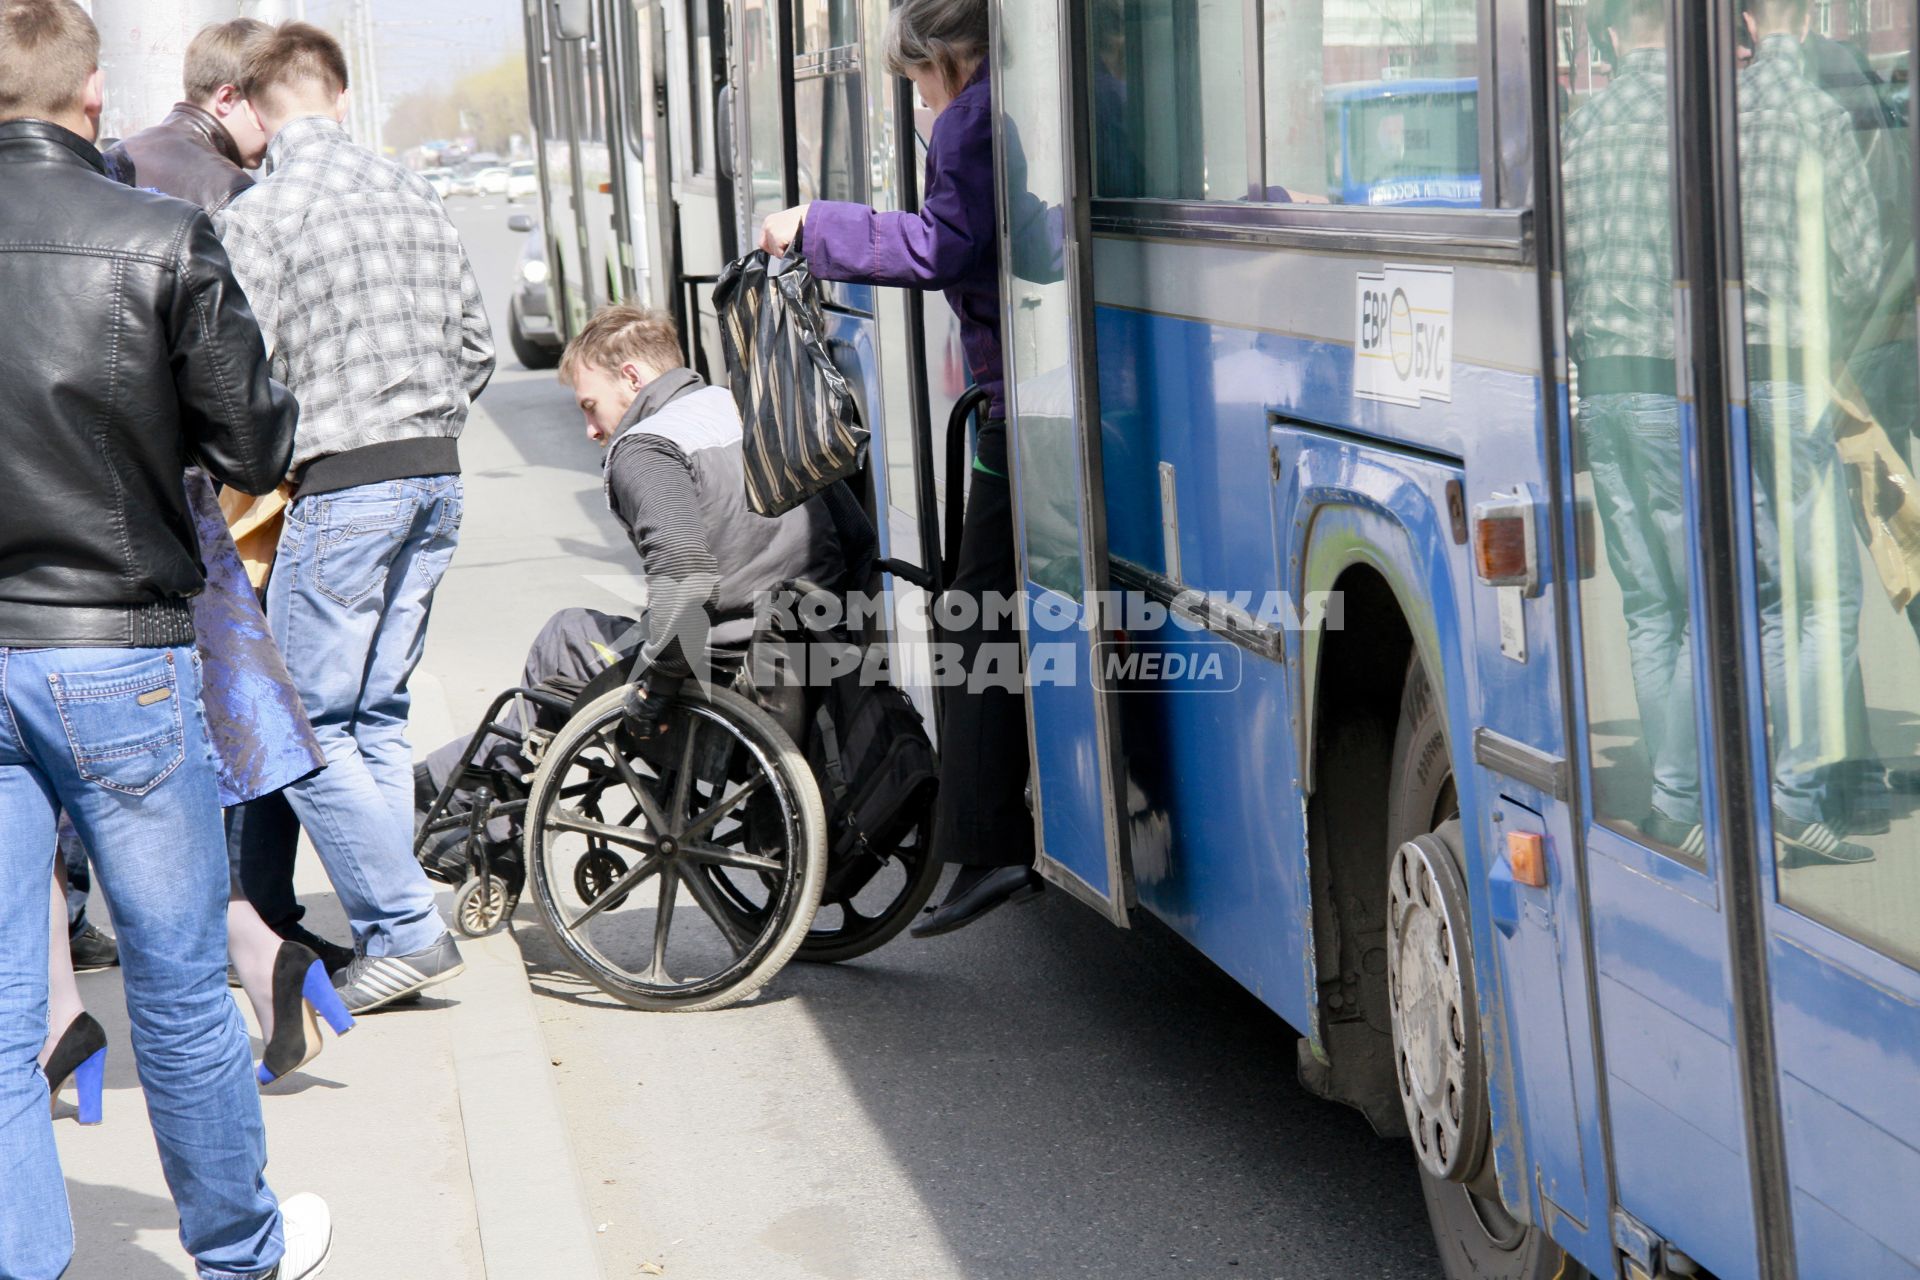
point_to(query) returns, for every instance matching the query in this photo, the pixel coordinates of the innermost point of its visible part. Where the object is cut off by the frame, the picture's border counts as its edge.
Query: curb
(527, 1196)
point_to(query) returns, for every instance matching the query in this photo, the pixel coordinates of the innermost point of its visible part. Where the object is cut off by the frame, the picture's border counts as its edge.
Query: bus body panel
(1218, 783)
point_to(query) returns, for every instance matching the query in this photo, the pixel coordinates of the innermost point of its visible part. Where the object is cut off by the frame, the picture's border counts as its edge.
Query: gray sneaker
(373, 982)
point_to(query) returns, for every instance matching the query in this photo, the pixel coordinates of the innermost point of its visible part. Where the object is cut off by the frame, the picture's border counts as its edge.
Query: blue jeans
(1807, 571)
(349, 598)
(117, 738)
(1633, 447)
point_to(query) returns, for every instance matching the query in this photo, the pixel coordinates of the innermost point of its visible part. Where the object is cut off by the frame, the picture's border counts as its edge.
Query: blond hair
(942, 34)
(293, 54)
(620, 334)
(218, 56)
(48, 49)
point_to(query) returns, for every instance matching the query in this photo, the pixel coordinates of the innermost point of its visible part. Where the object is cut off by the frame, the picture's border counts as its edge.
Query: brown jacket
(189, 156)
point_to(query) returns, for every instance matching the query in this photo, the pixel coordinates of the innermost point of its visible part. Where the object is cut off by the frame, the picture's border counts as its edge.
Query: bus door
(1659, 951)
(1054, 446)
(1830, 597)
(705, 229)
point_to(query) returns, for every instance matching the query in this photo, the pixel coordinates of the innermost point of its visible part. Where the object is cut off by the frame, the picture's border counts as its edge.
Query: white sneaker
(307, 1226)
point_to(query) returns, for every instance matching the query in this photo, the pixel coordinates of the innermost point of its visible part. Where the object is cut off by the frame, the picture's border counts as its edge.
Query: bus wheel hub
(1430, 982)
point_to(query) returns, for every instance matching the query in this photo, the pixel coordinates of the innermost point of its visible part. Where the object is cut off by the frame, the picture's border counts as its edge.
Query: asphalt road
(1038, 1096)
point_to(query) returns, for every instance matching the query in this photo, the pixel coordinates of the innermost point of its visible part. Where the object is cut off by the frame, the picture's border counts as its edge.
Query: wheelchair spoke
(637, 787)
(715, 856)
(725, 805)
(619, 889)
(570, 820)
(708, 897)
(683, 781)
(662, 925)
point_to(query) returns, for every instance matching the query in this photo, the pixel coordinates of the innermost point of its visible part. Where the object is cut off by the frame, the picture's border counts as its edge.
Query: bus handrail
(973, 400)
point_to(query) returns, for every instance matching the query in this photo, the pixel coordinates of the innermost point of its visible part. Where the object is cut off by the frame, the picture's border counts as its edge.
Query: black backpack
(874, 762)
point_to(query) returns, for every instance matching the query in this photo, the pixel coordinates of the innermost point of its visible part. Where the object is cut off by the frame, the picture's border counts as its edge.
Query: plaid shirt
(1617, 180)
(1802, 181)
(363, 291)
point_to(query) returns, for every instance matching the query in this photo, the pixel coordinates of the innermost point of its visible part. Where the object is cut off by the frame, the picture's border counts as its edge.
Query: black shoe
(973, 896)
(332, 954)
(93, 948)
(302, 995)
(82, 1054)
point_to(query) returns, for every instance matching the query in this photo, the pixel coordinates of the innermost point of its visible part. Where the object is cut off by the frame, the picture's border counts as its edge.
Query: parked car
(493, 181)
(441, 180)
(523, 180)
(531, 325)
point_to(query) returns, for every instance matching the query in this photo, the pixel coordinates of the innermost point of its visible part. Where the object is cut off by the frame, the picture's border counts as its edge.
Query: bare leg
(252, 948)
(63, 993)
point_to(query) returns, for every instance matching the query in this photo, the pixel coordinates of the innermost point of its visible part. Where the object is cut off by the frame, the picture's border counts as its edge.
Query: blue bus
(1566, 804)
(1411, 142)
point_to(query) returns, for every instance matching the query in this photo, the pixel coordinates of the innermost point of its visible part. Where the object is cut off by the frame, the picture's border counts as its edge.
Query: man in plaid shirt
(375, 322)
(1617, 176)
(1812, 259)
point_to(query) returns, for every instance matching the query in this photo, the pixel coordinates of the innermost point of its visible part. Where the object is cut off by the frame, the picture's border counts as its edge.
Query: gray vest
(755, 553)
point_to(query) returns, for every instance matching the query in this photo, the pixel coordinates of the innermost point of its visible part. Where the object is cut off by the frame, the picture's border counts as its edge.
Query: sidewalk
(433, 1131)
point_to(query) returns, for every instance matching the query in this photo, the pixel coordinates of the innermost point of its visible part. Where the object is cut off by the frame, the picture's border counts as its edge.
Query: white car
(441, 180)
(523, 180)
(492, 182)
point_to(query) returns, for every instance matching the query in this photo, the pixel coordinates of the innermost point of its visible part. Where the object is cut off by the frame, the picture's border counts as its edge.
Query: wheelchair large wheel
(619, 835)
(867, 901)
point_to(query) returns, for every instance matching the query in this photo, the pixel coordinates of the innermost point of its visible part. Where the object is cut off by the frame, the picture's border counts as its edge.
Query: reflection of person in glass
(1803, 180)
(1619, 247)
(981, 820)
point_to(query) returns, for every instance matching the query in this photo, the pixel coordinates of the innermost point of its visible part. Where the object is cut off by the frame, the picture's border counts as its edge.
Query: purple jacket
(952, 244)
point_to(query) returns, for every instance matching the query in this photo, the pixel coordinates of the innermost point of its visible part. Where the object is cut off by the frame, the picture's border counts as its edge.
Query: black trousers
(263, 839)
(981, 817)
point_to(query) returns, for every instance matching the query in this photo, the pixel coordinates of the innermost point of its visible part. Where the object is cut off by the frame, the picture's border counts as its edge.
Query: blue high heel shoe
(302, 995)
(81, 1055)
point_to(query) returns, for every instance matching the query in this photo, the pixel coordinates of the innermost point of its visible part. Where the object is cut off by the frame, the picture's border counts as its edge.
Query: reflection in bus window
(1833, 393)
(1616, 173)
(1372, 103)
(1169, 84)
(830, 128)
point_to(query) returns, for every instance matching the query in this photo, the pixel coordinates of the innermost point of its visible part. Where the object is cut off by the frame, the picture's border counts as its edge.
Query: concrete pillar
(142, 46)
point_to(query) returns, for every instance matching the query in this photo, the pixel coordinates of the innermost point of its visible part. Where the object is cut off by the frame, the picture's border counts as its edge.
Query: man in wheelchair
(674, 476)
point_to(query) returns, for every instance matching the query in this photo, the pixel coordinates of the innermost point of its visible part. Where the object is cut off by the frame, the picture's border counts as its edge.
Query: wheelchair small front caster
(480, 906)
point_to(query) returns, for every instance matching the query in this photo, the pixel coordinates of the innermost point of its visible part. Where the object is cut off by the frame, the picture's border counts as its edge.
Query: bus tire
(1476, 1237)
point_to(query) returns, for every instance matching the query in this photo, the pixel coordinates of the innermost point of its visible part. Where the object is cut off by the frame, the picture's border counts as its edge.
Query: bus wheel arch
(1355, 717)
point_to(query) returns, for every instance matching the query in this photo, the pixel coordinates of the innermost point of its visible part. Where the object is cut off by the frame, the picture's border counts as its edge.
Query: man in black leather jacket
(129, 353)
(204, 148)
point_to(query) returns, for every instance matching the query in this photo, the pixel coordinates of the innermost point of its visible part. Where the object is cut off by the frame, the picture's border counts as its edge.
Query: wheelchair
(679, 874)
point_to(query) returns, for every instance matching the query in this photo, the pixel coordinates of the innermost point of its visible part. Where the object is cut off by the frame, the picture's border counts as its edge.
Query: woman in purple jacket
(951, 244)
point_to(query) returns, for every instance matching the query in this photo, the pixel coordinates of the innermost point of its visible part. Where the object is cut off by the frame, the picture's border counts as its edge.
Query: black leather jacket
(189, 154)
(129, 353)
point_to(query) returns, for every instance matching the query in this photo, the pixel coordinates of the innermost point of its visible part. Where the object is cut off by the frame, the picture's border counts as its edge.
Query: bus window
(700, 83)
(1371, 104)
(1616, 160)
(1833, 395)
(1170, 111)
(830, 124)
(819, 25)
(766, 147)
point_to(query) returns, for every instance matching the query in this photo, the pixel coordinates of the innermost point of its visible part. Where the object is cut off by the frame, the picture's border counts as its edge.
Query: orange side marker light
(1527, 856)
